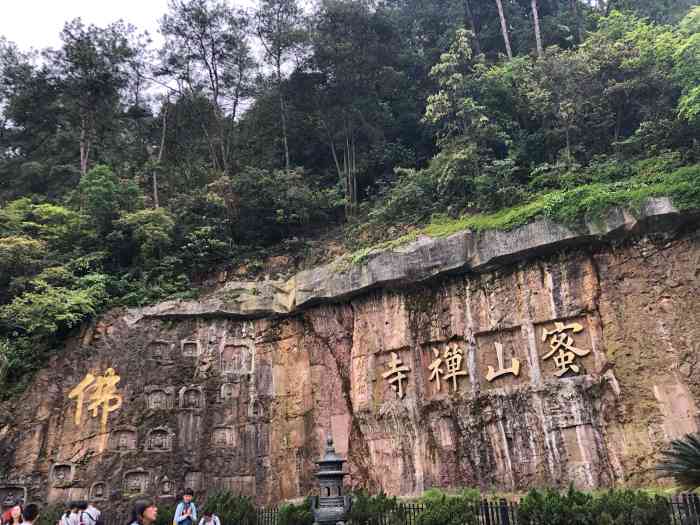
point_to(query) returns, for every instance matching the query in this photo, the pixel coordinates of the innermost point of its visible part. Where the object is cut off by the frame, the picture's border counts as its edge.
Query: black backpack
(98, 521)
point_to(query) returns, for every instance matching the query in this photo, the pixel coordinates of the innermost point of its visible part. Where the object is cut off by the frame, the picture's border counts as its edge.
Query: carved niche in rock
(159, 440)
(159, 398)
(160, 351)
(62, 474)
(237, 357)
(135, 482)
(98, 491)
(228, 392)
(193, 480)
(256, 410)
(123, 439)
(190, 348)
(167, 488)
(10, 494)
(223, 437)
(192, 398)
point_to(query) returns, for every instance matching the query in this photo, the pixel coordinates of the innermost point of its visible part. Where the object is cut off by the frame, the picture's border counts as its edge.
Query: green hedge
(616, 507)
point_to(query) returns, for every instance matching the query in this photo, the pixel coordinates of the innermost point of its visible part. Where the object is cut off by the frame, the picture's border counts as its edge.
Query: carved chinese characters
(561, 347)
(104, 397)
(493, 373)
(449, 366)
(503, 357)
(396, 374)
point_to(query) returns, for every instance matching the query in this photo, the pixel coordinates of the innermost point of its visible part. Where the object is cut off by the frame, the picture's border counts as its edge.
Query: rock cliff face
(501, 360)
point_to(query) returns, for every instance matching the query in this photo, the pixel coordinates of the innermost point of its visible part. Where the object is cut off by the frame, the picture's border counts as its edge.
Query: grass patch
(570, 207)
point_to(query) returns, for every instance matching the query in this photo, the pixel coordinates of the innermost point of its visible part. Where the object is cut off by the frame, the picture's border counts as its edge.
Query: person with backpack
(186, 511)
(210, 519)
(65, 517)
(72, 515)
(94, 514)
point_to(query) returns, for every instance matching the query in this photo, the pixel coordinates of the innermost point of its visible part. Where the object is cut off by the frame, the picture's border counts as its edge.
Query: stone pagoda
(332, 506)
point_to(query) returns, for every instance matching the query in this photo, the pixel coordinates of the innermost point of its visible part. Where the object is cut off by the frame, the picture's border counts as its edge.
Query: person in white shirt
(93, 513)
(210, 519)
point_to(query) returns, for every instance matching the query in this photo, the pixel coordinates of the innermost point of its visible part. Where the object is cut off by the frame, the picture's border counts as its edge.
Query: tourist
(210, 519)
(73, 513)
(65, 518)
(186, 511)
(83, 517)
(94, 514)
(15, 517)
(9, 503)
(30, 513)
(144, 513)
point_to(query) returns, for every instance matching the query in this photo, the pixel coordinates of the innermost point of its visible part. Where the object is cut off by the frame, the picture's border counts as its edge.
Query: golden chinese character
(452, 358)
(104, 396)
(79, 393)
(514, 369)
(396, 373)
(562, 344)
(436, 368)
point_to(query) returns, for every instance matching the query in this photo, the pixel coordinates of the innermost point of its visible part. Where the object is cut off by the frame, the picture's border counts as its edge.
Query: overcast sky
(37, 23)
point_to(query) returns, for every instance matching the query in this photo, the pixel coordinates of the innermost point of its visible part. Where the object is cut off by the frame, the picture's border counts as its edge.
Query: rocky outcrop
(498, 360)
(418, 261)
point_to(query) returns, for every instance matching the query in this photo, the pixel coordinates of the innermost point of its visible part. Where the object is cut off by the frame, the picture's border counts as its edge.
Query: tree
(90, 71)
(279, 27)
(207, 51)
(504, 28)
(471, 18)
(681, 461)
(355, 50)
(103, 196)
(536, 24)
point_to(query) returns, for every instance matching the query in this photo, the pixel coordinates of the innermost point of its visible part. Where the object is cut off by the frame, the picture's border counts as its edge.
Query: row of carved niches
(189, 397)
(160, 439)
(134, 482)
(235, 356)
(163, 398)
(139, 481)
(125, 439)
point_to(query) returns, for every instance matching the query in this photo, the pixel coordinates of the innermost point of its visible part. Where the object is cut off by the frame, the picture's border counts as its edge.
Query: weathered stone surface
(239, 391)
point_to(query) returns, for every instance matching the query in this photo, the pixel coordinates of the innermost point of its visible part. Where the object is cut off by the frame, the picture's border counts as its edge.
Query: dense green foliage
(291, 514)
(231, 508)
(681, 461)
(165, 513)
(616, 507)
(366, 509)
(449, 509)
(539, 507)
(129, 175)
